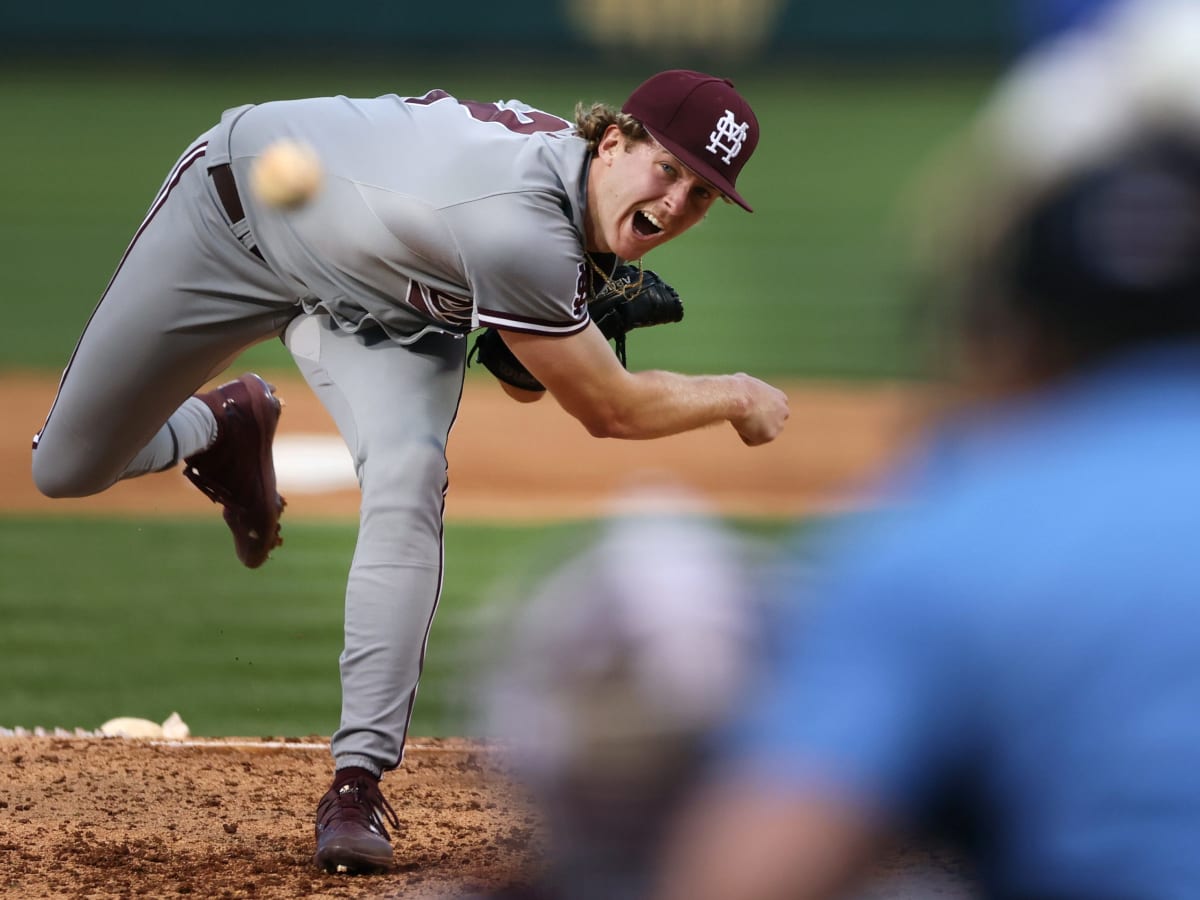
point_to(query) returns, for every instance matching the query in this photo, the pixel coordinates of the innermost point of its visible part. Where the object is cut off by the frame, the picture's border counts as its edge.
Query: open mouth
(645, 224)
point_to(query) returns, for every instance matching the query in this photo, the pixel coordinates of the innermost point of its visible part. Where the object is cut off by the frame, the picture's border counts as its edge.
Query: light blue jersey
(1019, 633)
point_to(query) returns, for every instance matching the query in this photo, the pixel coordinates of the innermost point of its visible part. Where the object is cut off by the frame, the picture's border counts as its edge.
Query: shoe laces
(357, 800)
(216, 491)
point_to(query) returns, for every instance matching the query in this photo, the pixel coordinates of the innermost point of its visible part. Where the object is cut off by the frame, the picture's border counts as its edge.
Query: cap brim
(699, 167)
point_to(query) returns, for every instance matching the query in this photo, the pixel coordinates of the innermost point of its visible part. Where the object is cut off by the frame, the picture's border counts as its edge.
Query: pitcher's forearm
(656, 404)
(587, 381)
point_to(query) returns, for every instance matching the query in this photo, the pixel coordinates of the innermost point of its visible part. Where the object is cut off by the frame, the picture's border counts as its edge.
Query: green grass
(108, 618)
(805, 286)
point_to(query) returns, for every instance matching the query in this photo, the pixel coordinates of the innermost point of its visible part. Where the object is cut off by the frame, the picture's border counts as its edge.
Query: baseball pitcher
(434, 217)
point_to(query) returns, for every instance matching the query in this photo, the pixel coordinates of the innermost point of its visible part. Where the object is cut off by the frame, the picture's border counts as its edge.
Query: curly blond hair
(592, 121)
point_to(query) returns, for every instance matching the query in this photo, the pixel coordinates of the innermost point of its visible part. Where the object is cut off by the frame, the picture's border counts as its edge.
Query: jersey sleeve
(526, 266)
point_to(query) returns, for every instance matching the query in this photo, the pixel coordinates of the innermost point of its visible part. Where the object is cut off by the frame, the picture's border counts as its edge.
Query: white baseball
(287, 174)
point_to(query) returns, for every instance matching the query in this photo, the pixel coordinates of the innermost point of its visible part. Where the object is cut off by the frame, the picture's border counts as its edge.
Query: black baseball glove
(631, 298)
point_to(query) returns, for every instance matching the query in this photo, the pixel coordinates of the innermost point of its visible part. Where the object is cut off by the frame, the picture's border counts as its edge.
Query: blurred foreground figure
(623, 663)
(1008, 648)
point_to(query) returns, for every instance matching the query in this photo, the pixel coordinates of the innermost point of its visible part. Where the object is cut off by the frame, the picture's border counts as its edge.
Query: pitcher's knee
(59, 478)
(409, 481)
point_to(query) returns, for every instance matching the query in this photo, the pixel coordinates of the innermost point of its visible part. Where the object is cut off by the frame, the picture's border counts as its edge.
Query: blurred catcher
(617, 668)
(1003, 650)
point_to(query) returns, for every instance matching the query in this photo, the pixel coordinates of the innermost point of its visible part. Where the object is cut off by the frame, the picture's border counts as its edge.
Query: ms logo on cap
(702, 120)
(728, 136)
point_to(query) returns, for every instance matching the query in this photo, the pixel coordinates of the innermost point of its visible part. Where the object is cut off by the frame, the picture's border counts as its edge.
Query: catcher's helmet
(1071, 207)
(1113, 253)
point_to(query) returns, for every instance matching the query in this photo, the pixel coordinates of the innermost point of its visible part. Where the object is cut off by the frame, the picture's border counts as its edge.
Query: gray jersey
(466, 214)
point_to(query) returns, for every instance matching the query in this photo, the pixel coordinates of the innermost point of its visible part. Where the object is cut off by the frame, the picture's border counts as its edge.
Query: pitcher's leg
(191, 428)
(394, 406)
(185, 299)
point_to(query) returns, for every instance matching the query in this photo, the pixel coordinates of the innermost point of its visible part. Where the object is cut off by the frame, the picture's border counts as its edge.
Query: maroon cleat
(238, 470)
(351, 837)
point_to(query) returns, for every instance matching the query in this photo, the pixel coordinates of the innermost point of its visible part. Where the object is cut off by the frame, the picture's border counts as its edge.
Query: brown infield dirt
(106, 818)
(531, 461)
(111, 817)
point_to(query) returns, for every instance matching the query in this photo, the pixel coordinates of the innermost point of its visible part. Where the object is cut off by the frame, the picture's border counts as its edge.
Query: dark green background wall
(761, 29)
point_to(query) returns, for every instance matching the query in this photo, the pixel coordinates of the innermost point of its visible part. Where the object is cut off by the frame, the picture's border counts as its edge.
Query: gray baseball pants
(186, 299)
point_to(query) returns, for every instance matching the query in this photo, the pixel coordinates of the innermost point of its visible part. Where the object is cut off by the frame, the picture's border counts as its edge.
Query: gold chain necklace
(627, 291)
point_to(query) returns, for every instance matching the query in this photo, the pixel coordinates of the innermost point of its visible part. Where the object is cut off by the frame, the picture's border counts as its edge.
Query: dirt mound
(114, 818)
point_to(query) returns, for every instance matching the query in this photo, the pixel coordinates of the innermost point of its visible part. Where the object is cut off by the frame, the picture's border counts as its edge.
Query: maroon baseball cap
(702, 120)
